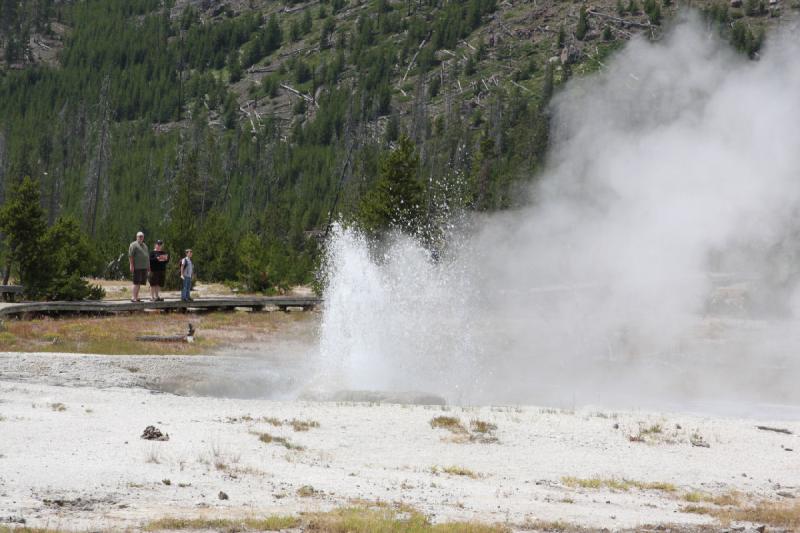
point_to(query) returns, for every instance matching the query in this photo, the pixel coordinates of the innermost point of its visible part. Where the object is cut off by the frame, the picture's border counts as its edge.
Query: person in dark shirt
(158, 269)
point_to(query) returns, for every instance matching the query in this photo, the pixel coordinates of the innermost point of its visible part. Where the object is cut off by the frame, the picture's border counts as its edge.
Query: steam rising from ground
(657, 258)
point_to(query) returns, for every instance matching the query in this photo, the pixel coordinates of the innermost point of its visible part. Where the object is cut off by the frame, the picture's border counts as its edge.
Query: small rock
(222, 496)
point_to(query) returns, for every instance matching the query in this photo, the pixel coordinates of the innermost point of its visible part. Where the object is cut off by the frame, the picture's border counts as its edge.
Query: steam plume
(658, 257)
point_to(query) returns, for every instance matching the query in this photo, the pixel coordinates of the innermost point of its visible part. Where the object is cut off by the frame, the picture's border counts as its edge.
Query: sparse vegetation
(116, 335)
(455, 471)
(25, 529)
(480, 431)
(387, 519)
(364, 518)
(616, 484)
(480, 426)
(550, 525)
(450, 423)
(58, 406)
(272, 523)
(776, 514)
(307, 491)
(271, 439)
(730, 498)
(303, 425)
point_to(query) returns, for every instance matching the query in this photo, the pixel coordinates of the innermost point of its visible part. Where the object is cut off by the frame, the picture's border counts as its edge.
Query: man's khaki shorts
(140, 276)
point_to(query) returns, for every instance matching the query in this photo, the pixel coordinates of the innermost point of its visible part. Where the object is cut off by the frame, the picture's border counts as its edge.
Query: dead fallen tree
(618, 20)
(298, 93)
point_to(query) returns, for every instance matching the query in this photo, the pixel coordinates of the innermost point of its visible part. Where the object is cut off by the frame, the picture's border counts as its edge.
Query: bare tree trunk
(96, 193)
(7, 272)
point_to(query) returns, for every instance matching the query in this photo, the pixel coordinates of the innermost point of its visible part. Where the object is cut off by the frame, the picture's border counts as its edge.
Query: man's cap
(140, 234)
(159, 241)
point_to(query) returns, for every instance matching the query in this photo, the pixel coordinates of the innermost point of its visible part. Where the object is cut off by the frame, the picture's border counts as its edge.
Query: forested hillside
(240, 127)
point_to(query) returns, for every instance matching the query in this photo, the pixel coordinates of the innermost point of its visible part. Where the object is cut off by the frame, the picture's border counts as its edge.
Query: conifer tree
(23, 225)
(395, 202)
(583, 25)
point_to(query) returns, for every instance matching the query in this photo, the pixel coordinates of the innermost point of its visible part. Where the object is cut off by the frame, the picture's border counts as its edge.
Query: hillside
(237, 127)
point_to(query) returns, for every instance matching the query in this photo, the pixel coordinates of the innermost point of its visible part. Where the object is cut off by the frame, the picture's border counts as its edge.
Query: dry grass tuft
(303, 425)
(388, 520)
(270, 439)
(480, 426)
(730, 498)
(616, 484)
(550, 525)
(307, 491)
(9, 529)
(695, 509)
(58, 406)
(731, 509)
(481, 431)
(363, 518)
(456, 471)
(272, 523)
(450, 423)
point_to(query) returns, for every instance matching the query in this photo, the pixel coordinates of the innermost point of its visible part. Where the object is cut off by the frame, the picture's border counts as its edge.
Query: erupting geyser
(657, 260)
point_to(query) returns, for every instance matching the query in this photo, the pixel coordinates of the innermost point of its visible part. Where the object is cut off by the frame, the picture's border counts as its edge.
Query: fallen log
(776, 430)
(189, 337)
(622, 21)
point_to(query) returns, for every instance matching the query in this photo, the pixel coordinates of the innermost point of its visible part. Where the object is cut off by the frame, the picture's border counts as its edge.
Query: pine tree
(50, 262)
(583, 25)
(396, 200)
(22, 223)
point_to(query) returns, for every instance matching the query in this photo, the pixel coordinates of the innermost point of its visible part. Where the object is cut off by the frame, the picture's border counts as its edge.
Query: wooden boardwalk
(103, 307)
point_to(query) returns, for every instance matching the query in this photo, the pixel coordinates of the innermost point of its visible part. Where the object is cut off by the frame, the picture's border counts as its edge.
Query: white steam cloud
(658, 259)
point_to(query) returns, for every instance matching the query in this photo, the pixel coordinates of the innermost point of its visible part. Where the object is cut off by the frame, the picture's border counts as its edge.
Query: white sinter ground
(72, 457)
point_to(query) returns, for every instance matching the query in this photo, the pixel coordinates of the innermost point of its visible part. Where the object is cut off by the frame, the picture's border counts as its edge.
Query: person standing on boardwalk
(139, 259)
(158, 269)
(187, 271)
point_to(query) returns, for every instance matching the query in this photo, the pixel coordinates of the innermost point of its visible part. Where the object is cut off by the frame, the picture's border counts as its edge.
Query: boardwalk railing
(256, 303)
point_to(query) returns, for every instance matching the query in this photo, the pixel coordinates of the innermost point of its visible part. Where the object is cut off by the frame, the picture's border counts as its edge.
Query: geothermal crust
(72, 456)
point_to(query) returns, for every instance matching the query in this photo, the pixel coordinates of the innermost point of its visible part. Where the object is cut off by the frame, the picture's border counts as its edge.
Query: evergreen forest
(243, 128)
